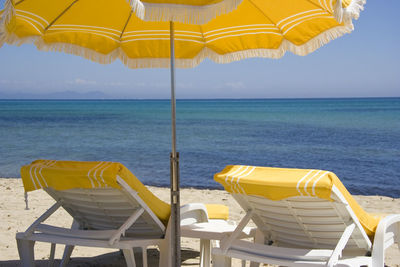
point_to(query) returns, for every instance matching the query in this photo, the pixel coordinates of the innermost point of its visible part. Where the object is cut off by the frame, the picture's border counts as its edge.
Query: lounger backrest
(304, 222)
(298, 207)
(67, 175)
(108, 209)
(100, 195)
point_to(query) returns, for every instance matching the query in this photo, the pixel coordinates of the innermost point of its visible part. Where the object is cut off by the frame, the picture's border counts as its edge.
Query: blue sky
(362, 64)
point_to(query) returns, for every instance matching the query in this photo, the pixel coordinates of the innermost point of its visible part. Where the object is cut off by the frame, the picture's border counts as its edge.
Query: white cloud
(79, 81)
(117, 84)
(235, 85)
(231, 85)
(151, 85)
(140, 84)
(184, 85)
(14, 82)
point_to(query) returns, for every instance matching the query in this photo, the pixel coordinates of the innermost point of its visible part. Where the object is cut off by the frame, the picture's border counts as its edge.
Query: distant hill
(57, 95)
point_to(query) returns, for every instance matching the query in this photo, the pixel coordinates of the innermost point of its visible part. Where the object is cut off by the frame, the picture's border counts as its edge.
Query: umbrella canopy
(104, 32)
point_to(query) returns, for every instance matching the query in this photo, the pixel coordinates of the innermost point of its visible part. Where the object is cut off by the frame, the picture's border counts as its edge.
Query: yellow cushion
(217, 211)
(64, 175)
(280, 183)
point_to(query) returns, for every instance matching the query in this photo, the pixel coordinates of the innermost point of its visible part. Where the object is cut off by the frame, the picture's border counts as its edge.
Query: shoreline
(15, 218)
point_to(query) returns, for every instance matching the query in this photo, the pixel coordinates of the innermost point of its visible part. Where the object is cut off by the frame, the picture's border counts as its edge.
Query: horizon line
(167, 99)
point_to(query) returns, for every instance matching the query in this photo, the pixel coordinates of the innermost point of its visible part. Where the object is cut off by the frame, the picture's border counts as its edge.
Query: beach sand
(14, 218)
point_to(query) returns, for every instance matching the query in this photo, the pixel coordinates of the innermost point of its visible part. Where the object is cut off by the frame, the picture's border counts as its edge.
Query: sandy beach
(15, 218)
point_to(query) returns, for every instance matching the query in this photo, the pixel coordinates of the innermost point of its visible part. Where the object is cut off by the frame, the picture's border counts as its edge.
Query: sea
(356, 138)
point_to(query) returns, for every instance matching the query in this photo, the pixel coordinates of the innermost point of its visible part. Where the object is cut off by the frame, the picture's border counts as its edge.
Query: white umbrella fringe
(135, 63)
(186, 13)
(350, 12)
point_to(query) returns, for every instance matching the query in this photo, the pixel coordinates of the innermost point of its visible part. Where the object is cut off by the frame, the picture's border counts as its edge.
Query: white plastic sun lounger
(303, 218)
(111, 208)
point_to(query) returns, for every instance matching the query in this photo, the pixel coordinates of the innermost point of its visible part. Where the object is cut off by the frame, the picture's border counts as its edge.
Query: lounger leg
(205, 252)
(129, 257)
(165, 253)
(68, 249)
(52, 252)
(221, 261)
(67, 255)
(144, 255)
(258, 239)
(254, 264)
(26, 252)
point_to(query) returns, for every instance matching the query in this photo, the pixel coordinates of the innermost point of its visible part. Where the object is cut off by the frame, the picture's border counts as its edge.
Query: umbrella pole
(174, 168)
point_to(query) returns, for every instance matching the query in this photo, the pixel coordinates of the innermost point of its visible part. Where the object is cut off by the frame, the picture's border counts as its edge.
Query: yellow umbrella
(103, 31)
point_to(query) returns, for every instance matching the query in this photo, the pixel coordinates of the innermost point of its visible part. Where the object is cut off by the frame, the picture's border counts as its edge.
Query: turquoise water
(358, 139)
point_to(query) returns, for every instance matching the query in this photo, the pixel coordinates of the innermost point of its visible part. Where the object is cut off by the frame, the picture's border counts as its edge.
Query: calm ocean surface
(358, 139)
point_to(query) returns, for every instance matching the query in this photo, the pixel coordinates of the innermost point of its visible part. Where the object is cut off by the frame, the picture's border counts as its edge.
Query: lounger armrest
(193, 213)
(387, 233)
